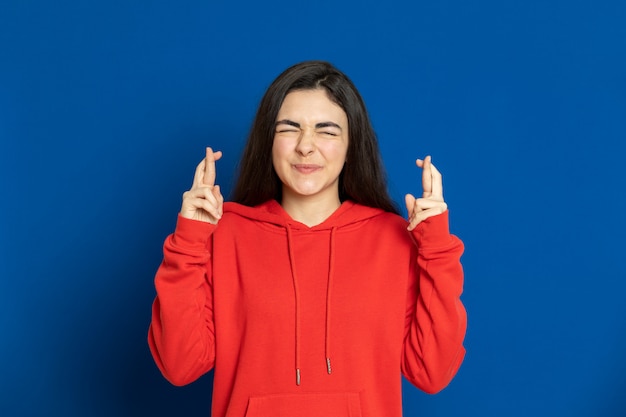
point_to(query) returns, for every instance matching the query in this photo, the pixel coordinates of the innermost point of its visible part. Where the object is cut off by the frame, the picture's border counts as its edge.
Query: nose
(306, 143)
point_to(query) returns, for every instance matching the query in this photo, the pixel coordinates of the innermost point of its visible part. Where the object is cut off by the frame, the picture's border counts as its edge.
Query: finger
(205, 193)
(209, 168)
(426, 177)
(191, 197)
(202, 199)
(424, 208)
(219, 198)
(428, 203)
(198, 175)
(415, 220)
(421, 216)
(212, 209)
(437, 183)
(214, 197)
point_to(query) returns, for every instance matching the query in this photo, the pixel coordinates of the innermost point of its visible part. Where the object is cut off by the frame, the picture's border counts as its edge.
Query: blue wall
(105, 109)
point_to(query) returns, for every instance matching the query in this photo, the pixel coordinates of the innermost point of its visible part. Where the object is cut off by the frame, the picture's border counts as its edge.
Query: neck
(310, 210)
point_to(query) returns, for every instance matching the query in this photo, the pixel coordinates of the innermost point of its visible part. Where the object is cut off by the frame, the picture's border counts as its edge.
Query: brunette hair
(362, 179)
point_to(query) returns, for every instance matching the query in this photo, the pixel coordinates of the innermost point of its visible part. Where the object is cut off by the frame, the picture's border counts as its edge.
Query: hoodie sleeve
(181, 334)
(436, 320)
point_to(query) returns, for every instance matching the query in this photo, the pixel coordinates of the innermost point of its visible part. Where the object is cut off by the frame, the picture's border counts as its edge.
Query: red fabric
(260, 295)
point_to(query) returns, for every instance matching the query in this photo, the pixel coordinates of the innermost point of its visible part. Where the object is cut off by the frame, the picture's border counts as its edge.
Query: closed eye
(329, 128)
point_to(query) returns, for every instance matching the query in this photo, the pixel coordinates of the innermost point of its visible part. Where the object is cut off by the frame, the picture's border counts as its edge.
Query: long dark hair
(363, 177)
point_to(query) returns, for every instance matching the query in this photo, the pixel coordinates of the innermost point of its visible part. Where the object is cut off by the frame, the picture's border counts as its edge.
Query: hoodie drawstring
(296, 291)
(329, 285)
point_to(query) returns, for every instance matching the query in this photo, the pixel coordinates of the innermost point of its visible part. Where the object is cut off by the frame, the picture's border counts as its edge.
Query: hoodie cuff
(433, 232)
(192, 234)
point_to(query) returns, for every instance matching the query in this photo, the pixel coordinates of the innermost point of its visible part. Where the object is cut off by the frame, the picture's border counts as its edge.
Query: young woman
(308, 294)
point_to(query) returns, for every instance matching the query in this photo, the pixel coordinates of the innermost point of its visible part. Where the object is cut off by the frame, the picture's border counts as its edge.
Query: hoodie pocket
(342, 404)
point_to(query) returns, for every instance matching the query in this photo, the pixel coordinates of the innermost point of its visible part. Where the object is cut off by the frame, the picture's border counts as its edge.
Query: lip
(306, 168)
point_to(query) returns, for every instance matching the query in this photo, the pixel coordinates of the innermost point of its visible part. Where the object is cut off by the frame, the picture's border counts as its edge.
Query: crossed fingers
(431, 203)
(204, 201)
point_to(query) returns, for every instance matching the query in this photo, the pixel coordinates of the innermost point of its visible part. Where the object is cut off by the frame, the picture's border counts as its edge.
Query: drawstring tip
(298, 376)
(328, 366)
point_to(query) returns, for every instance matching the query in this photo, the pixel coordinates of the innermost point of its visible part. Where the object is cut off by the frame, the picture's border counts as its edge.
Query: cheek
(279, 153)
(280, 148)
(276, 152)
(336, 153)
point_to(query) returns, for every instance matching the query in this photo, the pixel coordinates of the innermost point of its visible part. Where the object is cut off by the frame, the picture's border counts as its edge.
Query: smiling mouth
(306, 168)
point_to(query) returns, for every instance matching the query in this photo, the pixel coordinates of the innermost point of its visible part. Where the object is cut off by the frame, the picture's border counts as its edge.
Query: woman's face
(310, 145)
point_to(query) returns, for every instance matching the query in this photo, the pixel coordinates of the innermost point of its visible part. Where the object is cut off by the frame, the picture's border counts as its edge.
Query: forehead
(311, 104)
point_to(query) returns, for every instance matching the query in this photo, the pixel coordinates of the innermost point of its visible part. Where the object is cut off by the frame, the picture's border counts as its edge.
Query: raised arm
(182, 335)
(436, 320)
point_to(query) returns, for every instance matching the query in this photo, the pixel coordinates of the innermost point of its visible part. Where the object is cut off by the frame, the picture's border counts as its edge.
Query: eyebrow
(317, 126)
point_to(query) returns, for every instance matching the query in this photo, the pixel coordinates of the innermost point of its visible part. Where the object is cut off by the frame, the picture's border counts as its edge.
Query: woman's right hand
(204, 202)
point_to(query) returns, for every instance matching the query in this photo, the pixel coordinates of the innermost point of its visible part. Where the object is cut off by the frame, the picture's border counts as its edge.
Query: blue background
(106, 107)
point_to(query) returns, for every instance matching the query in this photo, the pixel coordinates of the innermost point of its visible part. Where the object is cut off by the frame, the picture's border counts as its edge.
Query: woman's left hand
(431, 203)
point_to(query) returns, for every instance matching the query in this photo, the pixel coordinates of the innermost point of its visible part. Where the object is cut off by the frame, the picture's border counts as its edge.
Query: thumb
(217, 193)
(410, 203)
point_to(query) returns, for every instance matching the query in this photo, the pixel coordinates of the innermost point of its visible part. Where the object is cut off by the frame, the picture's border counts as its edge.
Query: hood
(270, 212)
(348, 215)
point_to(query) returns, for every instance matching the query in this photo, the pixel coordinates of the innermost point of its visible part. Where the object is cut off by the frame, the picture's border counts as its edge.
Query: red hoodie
(309, 321)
